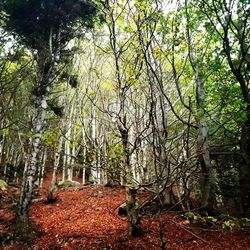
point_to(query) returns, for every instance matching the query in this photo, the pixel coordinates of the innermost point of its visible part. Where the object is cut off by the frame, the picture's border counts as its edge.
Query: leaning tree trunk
(30, 172)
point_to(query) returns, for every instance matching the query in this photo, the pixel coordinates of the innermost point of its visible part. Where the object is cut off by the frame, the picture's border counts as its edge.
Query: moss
(3, 185)
(67, 184)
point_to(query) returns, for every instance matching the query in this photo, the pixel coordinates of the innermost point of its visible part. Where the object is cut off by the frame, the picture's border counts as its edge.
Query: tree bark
(244, 171)
(29, 174)
(202, 140)
(134, 226)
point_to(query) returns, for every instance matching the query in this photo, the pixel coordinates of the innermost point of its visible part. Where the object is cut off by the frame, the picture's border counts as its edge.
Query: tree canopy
(34, 20)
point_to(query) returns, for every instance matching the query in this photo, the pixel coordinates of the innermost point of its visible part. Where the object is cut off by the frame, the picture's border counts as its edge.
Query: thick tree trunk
(134, 226)
(30, 171)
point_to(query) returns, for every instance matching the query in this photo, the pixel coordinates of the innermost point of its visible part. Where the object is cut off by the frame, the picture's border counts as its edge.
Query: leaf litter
(87, 218)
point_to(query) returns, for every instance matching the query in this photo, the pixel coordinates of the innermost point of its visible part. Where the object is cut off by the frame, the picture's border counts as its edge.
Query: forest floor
(87, 218)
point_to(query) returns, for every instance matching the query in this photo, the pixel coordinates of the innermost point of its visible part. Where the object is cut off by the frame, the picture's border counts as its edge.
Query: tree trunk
(134, 225)
(244, 171)
(42, 168)
(29, 173)
(205, 162)
(67, 155)
(2, 146)
(50, 196)
(202, 140)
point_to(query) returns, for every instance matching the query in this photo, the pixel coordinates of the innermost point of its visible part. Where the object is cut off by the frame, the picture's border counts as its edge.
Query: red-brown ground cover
(87, 218)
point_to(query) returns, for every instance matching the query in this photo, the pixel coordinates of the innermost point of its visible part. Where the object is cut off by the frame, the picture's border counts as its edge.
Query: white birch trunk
(73, 153)
(84, 154)
(29, 175)
(98, 167)
(83, 176)
(64, 165)
(67, 157)
(94, 164)
(56, 161)
(202, 141)
(42, 169)
(2, 143)
(144, 172)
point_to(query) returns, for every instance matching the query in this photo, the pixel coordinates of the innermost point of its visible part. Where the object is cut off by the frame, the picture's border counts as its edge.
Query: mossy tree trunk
(45, 66)
(133, 216)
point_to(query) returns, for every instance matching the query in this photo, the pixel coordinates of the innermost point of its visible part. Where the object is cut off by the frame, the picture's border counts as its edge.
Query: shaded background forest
(155, 97)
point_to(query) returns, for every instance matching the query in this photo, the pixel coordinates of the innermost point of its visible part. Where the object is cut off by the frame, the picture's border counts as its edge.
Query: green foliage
(230, 224)
(115, 152)
(210, 220)
(245, 222)
(190, 216)
(206, 220)
(224, 220)
(3, 17)
(33, 20)
(50, 138)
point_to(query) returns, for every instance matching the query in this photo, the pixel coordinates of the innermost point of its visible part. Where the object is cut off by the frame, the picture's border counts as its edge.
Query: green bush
(225, 221)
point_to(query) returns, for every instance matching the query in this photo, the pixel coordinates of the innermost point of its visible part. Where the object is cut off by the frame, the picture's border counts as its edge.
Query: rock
(67, 184)
(3, 185)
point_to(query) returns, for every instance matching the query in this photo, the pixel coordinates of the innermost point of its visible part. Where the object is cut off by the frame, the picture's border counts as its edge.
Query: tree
(44, 27)
(229, 20)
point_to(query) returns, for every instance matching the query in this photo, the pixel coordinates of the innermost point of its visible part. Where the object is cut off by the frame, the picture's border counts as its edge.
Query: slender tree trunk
(202, 141)
(6, 165)
(2, 145)
(83, 176)
(53, 184)
(67, 155)
(95, 171)
(56, 160)
(16, 163)
(64, 166)
(144, 172)
(42, 167)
